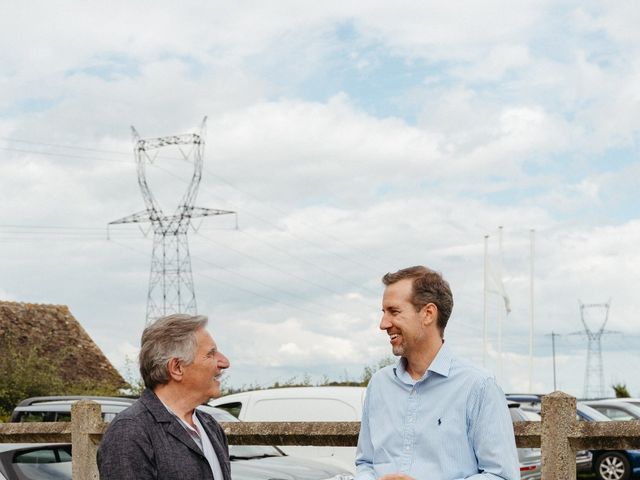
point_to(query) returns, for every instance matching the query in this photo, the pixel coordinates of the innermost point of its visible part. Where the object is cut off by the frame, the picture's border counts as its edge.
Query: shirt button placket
(409, 430)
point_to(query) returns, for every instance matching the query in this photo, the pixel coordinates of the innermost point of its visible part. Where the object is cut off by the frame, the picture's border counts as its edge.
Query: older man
(162, 436)
(431, 415)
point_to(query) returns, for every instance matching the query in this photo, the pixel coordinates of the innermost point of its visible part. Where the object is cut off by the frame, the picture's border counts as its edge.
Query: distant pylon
(594, 372)
(171, 288)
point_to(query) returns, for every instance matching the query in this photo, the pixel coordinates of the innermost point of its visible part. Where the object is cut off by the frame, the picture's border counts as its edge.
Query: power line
(238, 287)
(231, 184)
(259, 260)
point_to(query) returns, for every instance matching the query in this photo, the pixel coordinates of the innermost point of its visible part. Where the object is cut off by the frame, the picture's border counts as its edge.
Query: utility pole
(171, 288)
(532, 234)
(553, 336)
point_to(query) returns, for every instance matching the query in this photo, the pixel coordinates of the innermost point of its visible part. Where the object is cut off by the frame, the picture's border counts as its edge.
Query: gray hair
(173, 336)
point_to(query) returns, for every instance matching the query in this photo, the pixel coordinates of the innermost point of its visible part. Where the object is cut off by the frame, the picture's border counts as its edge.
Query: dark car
(610, 464)
(606, 464)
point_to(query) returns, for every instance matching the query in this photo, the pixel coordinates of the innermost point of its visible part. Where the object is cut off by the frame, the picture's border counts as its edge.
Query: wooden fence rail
(559, 435)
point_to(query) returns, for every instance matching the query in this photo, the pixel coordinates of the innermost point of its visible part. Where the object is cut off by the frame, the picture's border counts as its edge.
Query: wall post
(558, 425)
(86, 422)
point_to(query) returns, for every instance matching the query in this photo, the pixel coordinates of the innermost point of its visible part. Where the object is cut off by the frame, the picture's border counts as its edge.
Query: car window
(107, 417)
(31, 417)
(590, 414)
(63, 417)
(615, 413)
(52, 463)
(233, 408)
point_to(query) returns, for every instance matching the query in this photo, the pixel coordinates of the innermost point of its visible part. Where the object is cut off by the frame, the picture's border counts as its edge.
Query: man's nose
(223, 362)
(384, 322)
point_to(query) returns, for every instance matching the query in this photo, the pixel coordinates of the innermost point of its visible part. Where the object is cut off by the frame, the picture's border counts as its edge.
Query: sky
(352, 139)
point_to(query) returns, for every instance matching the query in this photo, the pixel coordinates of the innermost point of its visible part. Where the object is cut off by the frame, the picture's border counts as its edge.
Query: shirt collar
(441, 364)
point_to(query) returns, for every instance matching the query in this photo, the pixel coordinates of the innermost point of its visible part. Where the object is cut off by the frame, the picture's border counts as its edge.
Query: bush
(25, 372)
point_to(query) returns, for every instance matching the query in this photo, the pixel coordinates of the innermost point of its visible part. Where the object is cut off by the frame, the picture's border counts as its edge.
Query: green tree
(369, 370)
(621, 390)
(26, 372)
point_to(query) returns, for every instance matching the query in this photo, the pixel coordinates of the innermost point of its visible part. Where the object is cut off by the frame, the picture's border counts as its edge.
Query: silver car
(257, 462)
(35, 461)
(53, 461)
(616, 409)
(530, 458)
(58, 409)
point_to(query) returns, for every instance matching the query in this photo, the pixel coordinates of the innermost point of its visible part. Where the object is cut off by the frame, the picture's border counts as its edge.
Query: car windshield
(591, 414)
(246, 452)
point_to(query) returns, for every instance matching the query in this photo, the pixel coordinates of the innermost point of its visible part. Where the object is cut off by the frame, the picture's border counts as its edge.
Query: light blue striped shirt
(452, 423)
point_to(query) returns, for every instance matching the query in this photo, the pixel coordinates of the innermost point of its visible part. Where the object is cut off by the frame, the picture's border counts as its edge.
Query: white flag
(495, 283)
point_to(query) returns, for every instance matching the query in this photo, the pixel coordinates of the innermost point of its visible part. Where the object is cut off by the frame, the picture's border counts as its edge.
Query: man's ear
(174, 369)
(429, 314)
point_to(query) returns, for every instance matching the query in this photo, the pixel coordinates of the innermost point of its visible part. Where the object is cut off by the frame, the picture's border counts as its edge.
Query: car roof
(300, 392)
(66, 407)
(7, 447)
(69, 399)
(612, 401)
(630, 407)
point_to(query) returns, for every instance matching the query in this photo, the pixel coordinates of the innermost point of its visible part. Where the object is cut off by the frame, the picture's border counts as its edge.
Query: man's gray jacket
(146, 441)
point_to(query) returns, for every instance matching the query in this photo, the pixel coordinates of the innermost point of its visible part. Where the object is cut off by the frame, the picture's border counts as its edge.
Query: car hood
(285, 468)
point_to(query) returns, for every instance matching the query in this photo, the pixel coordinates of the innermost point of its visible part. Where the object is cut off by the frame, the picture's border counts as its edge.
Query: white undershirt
(200, 437)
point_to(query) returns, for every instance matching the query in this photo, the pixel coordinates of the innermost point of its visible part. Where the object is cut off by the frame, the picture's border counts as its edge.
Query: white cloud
(516, 125)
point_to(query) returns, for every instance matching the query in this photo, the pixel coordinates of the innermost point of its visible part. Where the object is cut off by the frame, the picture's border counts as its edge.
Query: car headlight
(342, 476)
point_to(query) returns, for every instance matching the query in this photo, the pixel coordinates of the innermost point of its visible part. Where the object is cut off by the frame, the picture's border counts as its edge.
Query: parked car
(301, 404)
(53, 461)
(35, 461)
(606, 464)
(583, 457)
(334, 404)
(615, 409)
(610, 464)
(58, 409)
(529, 458)
(272, 462)
(631, 400)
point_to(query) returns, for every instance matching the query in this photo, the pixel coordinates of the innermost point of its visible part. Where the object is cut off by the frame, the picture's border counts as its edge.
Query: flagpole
(484, 329)
(501, 314)
(532, 233)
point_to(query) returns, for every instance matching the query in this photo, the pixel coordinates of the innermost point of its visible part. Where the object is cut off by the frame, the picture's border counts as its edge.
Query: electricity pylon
(171, 288)
(594, 372)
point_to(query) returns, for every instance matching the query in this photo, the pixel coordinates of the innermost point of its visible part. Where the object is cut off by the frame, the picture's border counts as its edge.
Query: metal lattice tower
(594, 372)
(171, 288)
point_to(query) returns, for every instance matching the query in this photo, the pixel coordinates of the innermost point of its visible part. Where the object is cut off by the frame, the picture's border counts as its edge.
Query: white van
(301, 404)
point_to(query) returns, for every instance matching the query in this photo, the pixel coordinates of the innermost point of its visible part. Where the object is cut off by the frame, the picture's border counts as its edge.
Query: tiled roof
(56, 333)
